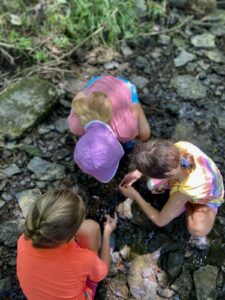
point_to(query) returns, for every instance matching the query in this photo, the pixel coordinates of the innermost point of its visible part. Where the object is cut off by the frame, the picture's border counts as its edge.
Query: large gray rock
(26, 198)
(205, 282)
(142, 277)
(45, 170)
(215, 56)
(204, 40)
(183, 284)
(24, 104)
(188, 87)
(10, 231)
(10, 171)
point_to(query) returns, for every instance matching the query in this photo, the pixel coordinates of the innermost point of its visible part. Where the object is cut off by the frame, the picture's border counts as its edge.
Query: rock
(11, 170)
(2, 184)
(142, 62)
(101, 55)
(189, 87)
(61, 125)
(141, 7)
(221, 121)
(215, 56)
(204, 40)
(220, 70)
(72, 84)
(5, 285)
(7, 197)
(116, 288)
(10, 231)
(205, 282)
(2, 203)
(24, 104)
(183, 58)
(218, 30)
(26, 198)
(111, 65)
(202, 6)
(178, 3)
(139, 81)
(126, 50)
(44, 170)
(125, 252)
(174, 263)
(164, 40)
(183, 284)
(142, 277)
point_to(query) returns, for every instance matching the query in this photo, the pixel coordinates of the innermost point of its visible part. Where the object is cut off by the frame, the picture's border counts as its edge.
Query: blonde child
(194, 181)
(57, 256)
(106, 114)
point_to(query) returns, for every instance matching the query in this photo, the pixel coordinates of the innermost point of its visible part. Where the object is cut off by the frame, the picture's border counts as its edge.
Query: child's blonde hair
(54, 218)
(94, 107)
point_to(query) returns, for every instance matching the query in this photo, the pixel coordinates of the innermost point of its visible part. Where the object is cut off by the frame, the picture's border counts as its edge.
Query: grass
(41, 31)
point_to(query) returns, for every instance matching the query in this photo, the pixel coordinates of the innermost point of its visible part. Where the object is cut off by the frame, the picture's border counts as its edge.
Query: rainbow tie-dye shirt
(204, 184)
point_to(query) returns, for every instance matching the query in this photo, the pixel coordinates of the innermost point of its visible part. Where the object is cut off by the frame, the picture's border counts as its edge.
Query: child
(106, 114)
(57, 256)
(195, 183)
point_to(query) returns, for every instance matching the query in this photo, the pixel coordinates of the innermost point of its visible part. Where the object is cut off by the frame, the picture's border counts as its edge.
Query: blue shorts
(133, 90)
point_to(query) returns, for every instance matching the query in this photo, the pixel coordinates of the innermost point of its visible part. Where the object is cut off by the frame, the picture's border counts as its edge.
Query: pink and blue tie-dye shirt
(204, 184)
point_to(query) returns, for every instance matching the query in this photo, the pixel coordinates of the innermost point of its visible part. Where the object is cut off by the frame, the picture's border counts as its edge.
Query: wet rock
(204, 40)
(142, 277)
(215, 56)
(174, 263)
(2, 203)
(164, 40)
(11, 170)
(178, 3)
(61, 125)
(26, 198)
(5, 285)
(116, 288)
(183, 58)
(183, 284)
(10, 231)
(139, 81)
(205, 282)
(44, 170)
(22, 105)
(188, 87)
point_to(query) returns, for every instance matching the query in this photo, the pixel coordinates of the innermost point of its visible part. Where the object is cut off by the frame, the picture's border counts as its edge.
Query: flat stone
(204, 40)
(61, 125)
(205, 282)
(26, 199)
(139, 81)
(11, 170)
(24, 104)
(45, 170)
(215, 56)
(183, 58)
(10, 231)
(188, 87)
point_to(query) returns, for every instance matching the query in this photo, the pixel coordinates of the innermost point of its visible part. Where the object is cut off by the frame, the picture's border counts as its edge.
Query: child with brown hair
(106, 114)
(194, 181)
(57, 256)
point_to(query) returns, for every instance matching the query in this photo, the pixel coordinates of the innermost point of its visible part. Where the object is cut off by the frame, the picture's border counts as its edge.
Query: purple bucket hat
(98, 151)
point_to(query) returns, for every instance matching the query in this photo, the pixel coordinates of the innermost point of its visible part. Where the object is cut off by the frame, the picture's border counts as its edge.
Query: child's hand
(110, 224)
(130, 178)
(128, 191)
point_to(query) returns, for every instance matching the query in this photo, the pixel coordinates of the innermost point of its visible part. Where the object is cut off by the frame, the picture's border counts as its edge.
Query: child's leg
(89, 235)
(200, 219)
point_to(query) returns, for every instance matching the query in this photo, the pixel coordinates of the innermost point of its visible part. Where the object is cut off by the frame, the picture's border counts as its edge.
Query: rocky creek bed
(180, 82)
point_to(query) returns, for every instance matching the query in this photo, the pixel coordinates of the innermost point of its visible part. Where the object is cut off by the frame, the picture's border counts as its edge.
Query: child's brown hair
(54, 218)
(160, 159)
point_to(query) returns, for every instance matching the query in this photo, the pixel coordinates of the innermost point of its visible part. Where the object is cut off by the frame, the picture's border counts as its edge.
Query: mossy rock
(24, 104)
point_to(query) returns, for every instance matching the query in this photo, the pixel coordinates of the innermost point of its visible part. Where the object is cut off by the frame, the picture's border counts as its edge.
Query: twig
(7, 56)
(90, 36)
(176, 27)
(8, 46)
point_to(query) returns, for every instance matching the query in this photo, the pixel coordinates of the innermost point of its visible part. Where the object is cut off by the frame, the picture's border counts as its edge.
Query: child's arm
(131, 177)
(109, 227)
(144, 130)
(161, 218)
